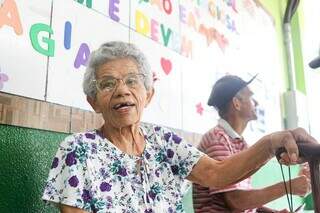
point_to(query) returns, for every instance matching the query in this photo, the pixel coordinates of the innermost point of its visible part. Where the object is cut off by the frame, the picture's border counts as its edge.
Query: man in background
(233, 100)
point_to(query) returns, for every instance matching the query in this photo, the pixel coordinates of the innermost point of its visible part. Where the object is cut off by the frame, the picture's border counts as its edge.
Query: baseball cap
(225, 89)
(315, 63)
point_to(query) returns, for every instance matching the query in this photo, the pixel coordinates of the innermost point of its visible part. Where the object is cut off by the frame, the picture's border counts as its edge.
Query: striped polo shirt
(219, 143)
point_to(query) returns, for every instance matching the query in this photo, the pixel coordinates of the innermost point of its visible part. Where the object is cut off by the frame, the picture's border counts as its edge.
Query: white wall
(189, 44)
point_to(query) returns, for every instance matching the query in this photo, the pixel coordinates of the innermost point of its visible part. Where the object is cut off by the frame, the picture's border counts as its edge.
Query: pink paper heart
(199, 108)
(166, 65)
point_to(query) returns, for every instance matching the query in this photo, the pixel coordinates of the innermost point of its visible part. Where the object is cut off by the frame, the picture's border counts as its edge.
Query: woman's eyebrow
(105, 76)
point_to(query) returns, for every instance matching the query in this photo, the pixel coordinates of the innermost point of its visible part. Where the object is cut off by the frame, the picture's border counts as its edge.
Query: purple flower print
(147, 155)
(3, 78)
(170, 153)
(167, 136)
(117, 168)
(109, 202)
(71, 158)
(122, 172)
(55, 163)
(152, 195)
(103, 173)
(148, 211)
(157, 172)
(157, 128)
(147, 198)
(94, 148)
(175, 169)
(105, 187)
(176, 138)
(86, 196)
(73, 181)
(90, 136)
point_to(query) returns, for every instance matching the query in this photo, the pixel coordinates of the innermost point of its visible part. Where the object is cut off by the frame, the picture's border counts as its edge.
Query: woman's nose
(121, 88)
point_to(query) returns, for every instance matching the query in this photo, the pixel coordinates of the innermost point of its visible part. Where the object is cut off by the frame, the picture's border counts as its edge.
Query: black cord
(285, 186)
(290, 189)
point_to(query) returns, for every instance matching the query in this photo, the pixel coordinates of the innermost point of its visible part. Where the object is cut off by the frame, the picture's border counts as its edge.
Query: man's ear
(236, 103)
(150, 94)
(92, 102)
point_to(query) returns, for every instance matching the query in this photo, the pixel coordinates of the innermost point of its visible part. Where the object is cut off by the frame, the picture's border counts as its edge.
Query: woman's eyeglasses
(109, 83)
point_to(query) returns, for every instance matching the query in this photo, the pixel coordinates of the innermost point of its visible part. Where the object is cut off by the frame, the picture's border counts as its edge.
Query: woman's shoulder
(150, 129)
(80, 139)
(156, 127)
(78, 147)
(164, 133)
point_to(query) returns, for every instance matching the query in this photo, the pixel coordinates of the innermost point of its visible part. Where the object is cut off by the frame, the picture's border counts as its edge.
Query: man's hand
(300, 185)
(288, 140)
(304, 170)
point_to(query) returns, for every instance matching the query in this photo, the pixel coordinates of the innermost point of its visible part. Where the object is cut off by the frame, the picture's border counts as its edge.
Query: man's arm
(219, 174)
(250, 199)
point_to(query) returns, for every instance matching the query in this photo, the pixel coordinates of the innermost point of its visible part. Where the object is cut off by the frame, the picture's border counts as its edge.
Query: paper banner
(67, 67)
(26, 67)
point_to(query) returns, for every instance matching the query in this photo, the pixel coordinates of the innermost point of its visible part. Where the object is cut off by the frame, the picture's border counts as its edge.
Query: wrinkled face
(121, 95)
(247, 104)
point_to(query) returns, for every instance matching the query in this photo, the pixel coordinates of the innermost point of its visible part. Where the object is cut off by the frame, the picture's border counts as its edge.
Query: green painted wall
(297, 49)
(271, 174)
(25, 159)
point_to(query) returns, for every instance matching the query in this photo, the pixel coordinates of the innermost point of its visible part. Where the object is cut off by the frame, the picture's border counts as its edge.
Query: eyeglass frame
(140, 76)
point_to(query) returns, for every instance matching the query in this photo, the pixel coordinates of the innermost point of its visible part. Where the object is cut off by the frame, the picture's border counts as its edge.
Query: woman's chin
(125, 123)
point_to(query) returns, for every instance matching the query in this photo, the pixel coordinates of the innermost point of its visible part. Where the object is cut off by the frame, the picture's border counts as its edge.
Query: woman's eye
(131, 81)
(107, 84)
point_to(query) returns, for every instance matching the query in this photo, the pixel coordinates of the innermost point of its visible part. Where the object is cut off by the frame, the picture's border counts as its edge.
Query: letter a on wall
(9, 16)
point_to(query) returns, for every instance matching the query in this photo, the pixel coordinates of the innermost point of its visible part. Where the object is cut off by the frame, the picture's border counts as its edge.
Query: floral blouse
(90, 173)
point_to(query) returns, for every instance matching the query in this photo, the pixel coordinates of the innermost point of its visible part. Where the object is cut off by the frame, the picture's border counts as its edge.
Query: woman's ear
(150, 94)
(92, 102)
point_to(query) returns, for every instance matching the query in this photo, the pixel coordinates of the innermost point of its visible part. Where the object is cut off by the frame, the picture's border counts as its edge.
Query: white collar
(229, 130)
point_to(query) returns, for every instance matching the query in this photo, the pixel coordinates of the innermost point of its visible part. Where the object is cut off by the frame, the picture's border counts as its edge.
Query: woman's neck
(128, 139)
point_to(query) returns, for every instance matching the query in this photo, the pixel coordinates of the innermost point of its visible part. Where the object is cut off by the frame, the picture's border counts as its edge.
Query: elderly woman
(127, 166)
